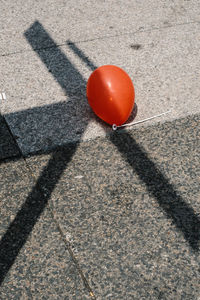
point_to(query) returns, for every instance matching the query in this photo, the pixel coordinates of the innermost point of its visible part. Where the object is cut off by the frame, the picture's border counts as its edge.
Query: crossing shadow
(62, 69)
(157, 184)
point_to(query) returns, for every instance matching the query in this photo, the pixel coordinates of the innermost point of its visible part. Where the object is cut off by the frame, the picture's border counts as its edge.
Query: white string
(114, 127)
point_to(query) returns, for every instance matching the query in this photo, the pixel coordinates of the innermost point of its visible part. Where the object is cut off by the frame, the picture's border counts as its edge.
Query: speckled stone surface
(34, 262)
(8, 147)
(90, 19)
(46, 105)
(129, 204)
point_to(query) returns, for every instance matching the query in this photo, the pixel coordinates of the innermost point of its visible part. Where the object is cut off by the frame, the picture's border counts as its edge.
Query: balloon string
(114, 127)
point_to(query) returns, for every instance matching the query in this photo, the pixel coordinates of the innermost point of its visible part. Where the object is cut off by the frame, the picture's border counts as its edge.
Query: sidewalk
(87, 213)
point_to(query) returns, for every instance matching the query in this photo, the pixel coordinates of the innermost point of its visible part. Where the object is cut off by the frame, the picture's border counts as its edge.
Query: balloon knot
(114, 127)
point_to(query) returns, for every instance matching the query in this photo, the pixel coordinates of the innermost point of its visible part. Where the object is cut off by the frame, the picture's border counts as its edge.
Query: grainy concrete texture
(34, 262)
(86, 20)
(85, 212)
(130, 206)
(46, 84)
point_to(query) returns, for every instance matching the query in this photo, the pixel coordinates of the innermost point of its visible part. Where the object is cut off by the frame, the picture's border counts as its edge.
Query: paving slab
(46, 105)
(34, 261)
(78, 20)
(8, 146)
(129, 204)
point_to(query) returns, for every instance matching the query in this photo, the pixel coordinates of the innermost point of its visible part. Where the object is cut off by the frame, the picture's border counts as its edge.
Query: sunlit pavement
(87, 212)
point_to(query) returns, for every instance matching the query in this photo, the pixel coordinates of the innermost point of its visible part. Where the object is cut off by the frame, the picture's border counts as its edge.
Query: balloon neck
(114, 127)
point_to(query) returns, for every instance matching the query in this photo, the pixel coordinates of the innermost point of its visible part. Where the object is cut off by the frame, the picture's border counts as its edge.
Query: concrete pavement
(86, 212)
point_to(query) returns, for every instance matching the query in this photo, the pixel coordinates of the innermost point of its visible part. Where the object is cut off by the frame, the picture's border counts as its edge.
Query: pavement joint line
(63, 238)
(138, 31)
(91, 293)
(51, 209)
(69, 248)
(30, 50)
(102, 38)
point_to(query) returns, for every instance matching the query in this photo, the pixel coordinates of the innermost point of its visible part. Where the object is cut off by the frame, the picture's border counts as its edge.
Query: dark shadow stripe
(159, 187)
(81, 55)
(19, 230)
(54, 59)
(174, 206)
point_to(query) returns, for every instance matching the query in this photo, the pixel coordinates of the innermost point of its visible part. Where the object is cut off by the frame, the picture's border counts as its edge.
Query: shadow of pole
(157, 184)
(81, 55)
(18, 231)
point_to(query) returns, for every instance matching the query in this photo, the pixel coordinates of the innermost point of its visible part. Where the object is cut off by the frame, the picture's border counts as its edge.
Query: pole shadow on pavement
(19, 230)
(157, 184)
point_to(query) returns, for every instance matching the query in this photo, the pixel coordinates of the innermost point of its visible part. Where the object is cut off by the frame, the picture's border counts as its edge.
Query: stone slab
(78, 20)
(130, 206)
(34, 261)
(47, 105)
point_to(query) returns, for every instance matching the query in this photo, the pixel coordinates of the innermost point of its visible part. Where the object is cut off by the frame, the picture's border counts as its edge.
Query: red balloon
(111, 95)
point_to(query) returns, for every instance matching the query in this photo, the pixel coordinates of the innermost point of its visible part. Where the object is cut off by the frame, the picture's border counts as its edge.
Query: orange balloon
(111, 95)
